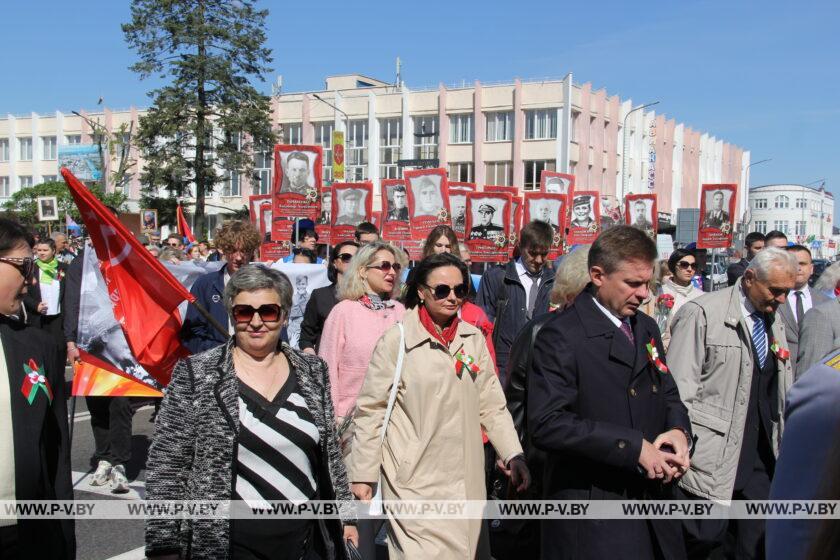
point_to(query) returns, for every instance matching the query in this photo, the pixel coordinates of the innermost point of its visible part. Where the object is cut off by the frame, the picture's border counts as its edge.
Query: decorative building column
(518, 136)
(443, 127)
(479, 128)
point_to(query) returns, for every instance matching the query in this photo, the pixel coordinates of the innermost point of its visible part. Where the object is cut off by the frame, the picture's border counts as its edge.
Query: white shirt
(747, 309)
(615, 320)
(526, 279)
(7, 443)
(807, 302)
(50, 295)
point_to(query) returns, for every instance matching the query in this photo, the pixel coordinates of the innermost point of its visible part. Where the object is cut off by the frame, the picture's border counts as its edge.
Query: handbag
(376, 502)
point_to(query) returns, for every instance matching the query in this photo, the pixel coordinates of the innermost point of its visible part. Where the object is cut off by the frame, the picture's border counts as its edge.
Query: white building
(798, 211)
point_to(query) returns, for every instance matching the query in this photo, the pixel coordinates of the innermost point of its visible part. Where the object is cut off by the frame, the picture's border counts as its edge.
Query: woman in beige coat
(433, 447)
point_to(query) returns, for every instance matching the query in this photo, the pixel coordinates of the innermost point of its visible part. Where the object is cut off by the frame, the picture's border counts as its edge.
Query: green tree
(23, 204)
(206, 122)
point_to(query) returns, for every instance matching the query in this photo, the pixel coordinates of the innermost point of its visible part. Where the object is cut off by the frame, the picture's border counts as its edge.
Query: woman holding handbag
(424, 437)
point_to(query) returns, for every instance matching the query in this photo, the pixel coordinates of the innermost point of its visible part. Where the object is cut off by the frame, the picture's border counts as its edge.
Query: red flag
(183, 227)
(144, 294)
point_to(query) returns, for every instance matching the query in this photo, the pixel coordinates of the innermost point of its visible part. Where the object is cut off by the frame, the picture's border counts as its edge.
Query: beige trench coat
(433, 449)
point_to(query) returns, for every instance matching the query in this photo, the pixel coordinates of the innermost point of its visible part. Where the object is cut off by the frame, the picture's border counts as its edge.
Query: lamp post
(747, 215)
(346, 117)
(624, 146)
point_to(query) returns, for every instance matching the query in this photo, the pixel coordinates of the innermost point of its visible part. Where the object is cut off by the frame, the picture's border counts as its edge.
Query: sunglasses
(442, 291)
(174, 244)
(24, 264)
(386, 267)
(269, 313)
(345, 257)
(684, 265)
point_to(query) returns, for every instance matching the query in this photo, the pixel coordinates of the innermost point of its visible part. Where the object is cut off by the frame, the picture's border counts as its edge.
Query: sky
(762, 75)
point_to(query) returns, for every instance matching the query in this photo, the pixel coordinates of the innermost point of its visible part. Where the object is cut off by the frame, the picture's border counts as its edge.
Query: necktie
(625, 328)
(800, 309)
(532, 293)
(759, 338)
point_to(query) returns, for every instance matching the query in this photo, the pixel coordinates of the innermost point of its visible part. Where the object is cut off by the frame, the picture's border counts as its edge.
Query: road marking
(85, 416)
(81, 482)
(136, 554)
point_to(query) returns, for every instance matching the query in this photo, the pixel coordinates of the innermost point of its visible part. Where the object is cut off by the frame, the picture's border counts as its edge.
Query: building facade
(798, 211)
(490, 134)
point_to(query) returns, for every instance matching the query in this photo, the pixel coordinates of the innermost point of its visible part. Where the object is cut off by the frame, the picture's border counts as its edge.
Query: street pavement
(117, 539)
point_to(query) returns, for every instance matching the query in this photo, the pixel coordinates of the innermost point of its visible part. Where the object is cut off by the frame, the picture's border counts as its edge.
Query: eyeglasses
(345, 257)
(24, 264)
(269, 313)
(387, 267)
(685, 265)
(173, 244)
(442, 291)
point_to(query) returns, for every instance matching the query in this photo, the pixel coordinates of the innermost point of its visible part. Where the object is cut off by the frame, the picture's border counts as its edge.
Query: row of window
(783, 202)
(800, 227)
(49, 147)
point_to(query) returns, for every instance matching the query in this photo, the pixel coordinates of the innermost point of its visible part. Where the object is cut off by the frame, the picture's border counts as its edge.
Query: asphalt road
(109, 539)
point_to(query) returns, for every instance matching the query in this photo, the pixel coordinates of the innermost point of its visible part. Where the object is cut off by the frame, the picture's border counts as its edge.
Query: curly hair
(236, 235)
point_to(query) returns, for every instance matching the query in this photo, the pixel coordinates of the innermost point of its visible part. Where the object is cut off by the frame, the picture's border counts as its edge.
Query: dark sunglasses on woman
(685, 265)
(345, 257)
(26, 265)
(386, 267)
(269, 313)
(441, 291)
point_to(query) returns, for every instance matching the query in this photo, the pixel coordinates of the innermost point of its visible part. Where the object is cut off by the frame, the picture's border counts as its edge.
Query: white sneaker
(119, 483)
(102, 474)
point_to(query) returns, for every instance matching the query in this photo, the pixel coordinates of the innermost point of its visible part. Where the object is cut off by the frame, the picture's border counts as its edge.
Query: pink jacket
(351, 332)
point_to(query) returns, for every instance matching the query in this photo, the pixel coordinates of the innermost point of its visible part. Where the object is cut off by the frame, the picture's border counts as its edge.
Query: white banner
(304, 278)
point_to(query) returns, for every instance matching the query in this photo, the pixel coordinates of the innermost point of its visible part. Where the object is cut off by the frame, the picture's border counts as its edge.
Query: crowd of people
(548, 381)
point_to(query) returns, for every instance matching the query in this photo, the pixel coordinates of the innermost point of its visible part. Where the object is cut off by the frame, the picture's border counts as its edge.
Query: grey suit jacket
(792, 327)
(820, 334)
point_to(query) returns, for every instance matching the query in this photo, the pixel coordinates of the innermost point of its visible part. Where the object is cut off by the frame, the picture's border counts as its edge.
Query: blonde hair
(571, 278)
(352, 286)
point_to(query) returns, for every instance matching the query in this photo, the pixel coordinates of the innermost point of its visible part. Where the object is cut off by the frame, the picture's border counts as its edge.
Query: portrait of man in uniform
(544, 210)
(397, 204)
(582, 215)
(326, 208)
(427, 197)
(486, 227)
(350, 207)
(458, 203)
(296, 172)
(557, 185)
(641, 215)
(716, 216)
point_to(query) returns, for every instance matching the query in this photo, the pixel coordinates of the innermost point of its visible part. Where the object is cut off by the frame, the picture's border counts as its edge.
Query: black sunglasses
(269, 313)
(441, 291)
(386, 267)
(24, 264)
(685, 265)
(345, 257)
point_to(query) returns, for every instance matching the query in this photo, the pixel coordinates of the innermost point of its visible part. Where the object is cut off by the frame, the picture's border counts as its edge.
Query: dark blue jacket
(197, 334)
(503, 299)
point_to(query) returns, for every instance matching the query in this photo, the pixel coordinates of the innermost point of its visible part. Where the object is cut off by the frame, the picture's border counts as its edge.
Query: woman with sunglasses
(366, 310)
(324, 299)
(447, 393)
(683, 265)
(249, 421)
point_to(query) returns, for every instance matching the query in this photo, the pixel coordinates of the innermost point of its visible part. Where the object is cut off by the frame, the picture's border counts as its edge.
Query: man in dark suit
(606, 410)
(753, 243)
(717, 216)
(325, 218)
(33, 413)
(799, 301)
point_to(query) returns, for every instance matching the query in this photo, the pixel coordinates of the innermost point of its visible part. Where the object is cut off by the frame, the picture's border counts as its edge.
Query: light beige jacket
(711, 358)
(433, 448)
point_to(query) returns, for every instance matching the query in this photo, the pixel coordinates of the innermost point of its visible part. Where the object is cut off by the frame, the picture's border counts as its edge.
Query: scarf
(375, 302)
(444, 336)
(682, 290)
(49, 270)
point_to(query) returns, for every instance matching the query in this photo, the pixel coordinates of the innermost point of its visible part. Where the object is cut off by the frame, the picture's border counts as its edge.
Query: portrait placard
(395, 217)
(556, 183)
(640, 212)
(255, 201)
(47, 208)
(352, 204)
(458, 204)
(488, 225)
(551, 209)
(297, 182)
(148, 220)
(323, 224)
(428, 200)
(717, 211)
(584, 217)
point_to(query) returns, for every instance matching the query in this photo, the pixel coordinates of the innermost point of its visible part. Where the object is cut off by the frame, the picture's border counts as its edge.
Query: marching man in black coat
(604, 407)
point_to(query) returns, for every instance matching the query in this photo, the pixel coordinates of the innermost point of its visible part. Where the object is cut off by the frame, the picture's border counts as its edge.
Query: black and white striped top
(277, 454)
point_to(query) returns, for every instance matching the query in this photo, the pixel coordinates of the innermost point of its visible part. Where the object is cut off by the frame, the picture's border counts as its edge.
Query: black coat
(736, 270)
(592, 398)
(197, 333)
(318, 308)
(33, 293)
(71, 298)
(40, 436)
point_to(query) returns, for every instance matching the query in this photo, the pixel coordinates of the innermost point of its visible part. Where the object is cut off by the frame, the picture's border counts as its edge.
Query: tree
(23, 204)
(208, 121)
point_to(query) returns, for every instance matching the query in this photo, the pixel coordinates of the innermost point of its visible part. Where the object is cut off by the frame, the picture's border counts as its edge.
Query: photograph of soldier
(47, 208)
(487, 225)
(149, 222)
(716, 216)
(582, 215)
(641, 214)
(545, 210)
(558, 185)
(397, 203)
(427, 198)
(458, 204)
(326, 208)
(351, 203)
(297, 172)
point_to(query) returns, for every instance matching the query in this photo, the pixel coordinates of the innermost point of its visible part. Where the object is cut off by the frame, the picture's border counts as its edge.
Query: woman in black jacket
(249, 421)
(45, 294)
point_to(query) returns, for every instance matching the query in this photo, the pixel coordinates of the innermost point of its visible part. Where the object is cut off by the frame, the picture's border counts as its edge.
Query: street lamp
(624, 146)
(746, 218)
(346, 118)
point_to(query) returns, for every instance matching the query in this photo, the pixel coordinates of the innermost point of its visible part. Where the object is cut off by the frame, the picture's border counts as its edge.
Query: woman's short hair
(352, 285)
(308, 254)
(572, 276)
(48, 242)
(425, 267)
(253, 277)
(437, 233)
(236, 234)
(677, 256)
(13, 235)
(332, 273)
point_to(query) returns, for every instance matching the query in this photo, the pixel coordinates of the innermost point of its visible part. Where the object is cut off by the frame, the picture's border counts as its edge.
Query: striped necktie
(759, 338)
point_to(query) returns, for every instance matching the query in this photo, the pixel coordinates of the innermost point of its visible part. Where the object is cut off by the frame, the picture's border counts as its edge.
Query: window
(357, 152)
(761, 226)
(49, 144)
(4, 149)
(575, 116)
(390, 138)
(533, 171)
(426, 137)
(5, 191)
(49, 178)
(461, 129)
(781, 225)
(24, 181)
(541, 124)
(25, 145)
(499, 173)
(760, 203)
(231, 185)
(801, 203)
(462, 172)
(781, 201)
(800, 227)
(499, 126)
(292, 133)
(262, 171)
(73, 139)
(323, 137)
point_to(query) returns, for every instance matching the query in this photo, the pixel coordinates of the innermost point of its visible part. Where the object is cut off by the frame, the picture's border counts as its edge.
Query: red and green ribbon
(465, 363)
(35, 381)
(653, 356)
(781, 353)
